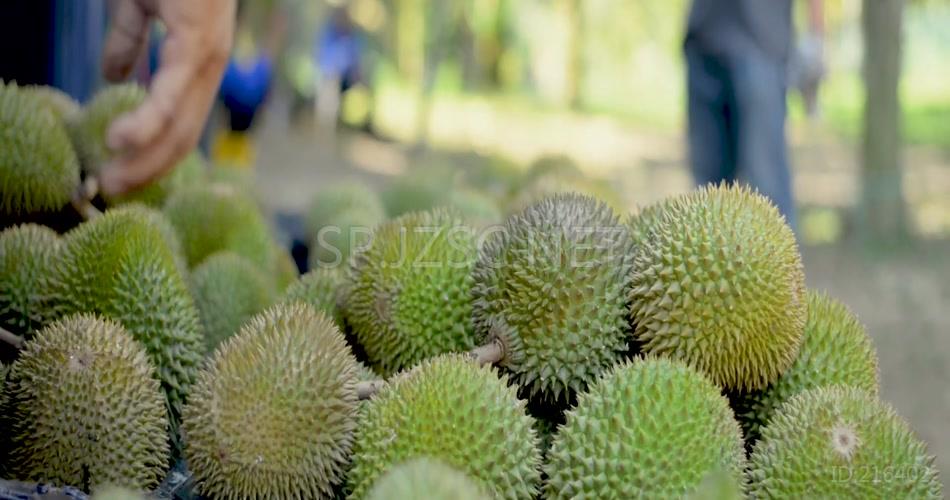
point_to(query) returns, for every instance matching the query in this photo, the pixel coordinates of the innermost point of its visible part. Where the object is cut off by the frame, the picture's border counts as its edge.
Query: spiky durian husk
(38, 166)
(425, 478)
(450, 409)
(122, 266)
(88, 409)
(835, 350)
(320, 288)
(651, 428)
(88, 130)
(840, 442)
(188, 172)
(27, 256)
(553, 287)
(61, 104)
(228, 290)
(274, 412)
(718, 282)
(214, 217)
(409, 296)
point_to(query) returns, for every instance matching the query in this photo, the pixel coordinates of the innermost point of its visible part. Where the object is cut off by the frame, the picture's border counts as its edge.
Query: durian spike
(366, 390)
(81, 199)
(488, 354)
(11, 338)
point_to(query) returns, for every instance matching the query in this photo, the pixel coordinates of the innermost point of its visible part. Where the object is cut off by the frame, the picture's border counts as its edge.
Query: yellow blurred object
(356, 106)
(235, 149)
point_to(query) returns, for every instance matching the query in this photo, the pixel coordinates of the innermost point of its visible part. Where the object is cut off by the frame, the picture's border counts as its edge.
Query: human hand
(151, 139)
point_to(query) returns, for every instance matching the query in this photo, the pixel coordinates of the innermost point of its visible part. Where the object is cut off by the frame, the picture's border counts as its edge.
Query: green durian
(228, 290)
(214, 217)
(320, 288)
(840, 442)
(273, 413)
(556, 175)
(340, 197)
(27, 255)
(285, 269)
(122, 266)
(89, 128)
(718, 282)
(347, 233)
(719, 484)
(190, 171)
(416, 191)
(38, 167)
(449, 409)
(475, 207)
(60, 103)
(552, 287)
(88, 410)
(651, 428)
(425, 478)
(409, 294)
(835, 350)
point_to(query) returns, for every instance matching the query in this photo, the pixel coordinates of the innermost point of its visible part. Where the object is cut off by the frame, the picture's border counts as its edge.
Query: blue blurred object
(245, 87)
(79, 30)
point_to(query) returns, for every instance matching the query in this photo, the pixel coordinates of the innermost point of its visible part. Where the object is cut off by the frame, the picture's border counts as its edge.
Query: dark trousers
(737, 122)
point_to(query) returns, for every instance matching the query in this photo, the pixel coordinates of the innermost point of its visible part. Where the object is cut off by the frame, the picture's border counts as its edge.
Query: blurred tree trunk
(575, 61)
(882, 208)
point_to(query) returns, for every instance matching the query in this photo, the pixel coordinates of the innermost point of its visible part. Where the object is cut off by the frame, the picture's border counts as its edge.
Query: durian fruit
(449, 409)
(719, 484)
(38, 167)
(555, 175)
(409, 293)
(835, 350)
(228, 290)
(285, 269)
(341, 197)
(420, 189)
(475, 207)
(347, 233)
(320, 288)
(718, 282)
(122, 266)
(552, 289)
(651, 428)
(27, 256)
(88, 410)
(840, 442)
(425, 478)
(214, 217)
(60, 103)
(274, 412)
(188, 172)
(89, 129)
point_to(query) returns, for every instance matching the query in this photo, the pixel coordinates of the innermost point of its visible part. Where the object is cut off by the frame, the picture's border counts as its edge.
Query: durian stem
(488, 354)
(11, 338)
(81, 199)
(366, 390)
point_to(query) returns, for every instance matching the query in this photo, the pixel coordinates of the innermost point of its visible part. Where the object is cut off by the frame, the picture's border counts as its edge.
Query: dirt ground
(902, 296)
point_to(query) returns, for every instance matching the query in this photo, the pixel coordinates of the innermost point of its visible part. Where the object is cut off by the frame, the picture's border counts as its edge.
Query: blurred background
(469, 90)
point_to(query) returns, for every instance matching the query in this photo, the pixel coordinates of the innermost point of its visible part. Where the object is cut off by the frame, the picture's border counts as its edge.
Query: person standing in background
(737, 56)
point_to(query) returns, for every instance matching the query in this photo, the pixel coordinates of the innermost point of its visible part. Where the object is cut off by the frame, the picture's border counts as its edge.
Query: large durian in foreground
(27, 256)
(88, 410)
(409, 296)
(836, 350)
(651, 428)
(840, 442)
(718, 282)
(553, 289)
(123, 266)
(228, 290)
(425, 478)
(38, 167)
(213, 217)
(449, 409)
(273, 413)
(90, 127)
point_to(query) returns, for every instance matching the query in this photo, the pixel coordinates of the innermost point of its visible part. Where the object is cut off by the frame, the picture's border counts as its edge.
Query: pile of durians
(437, 349)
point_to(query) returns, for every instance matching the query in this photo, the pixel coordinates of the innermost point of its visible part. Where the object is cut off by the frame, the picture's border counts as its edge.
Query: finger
(143, 124)
(126, 40)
